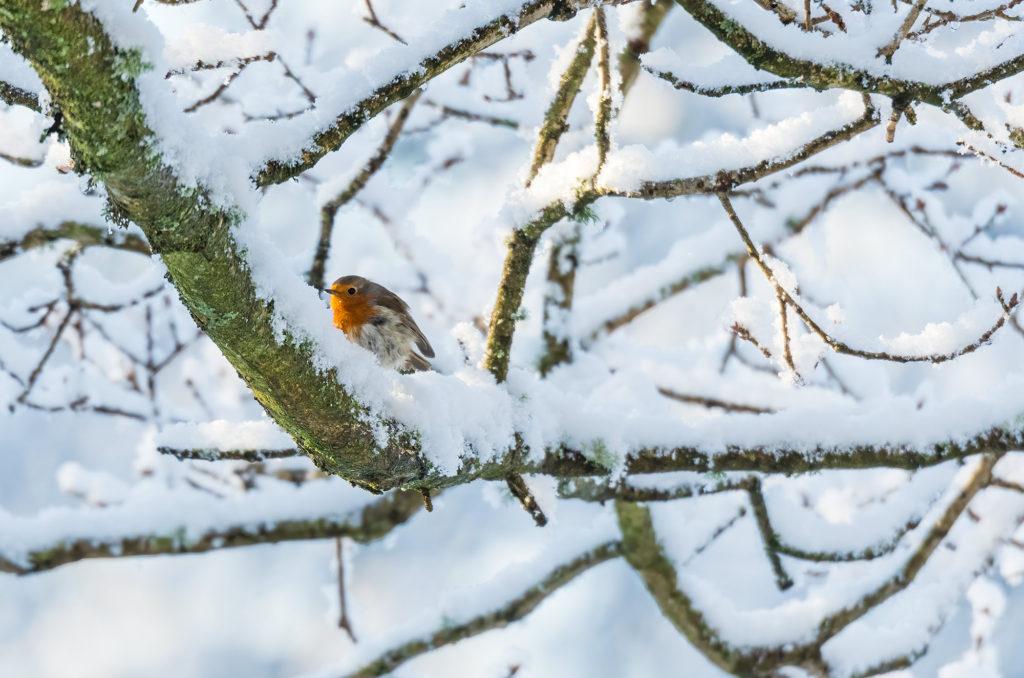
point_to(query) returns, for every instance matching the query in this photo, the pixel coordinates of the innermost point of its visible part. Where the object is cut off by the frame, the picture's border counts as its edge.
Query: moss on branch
(93, 83)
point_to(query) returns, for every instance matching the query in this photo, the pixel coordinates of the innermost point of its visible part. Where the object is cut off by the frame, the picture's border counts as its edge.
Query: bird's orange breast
(351, 313)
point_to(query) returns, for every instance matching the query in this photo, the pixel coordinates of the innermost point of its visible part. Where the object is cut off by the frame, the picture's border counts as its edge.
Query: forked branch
(786, 299)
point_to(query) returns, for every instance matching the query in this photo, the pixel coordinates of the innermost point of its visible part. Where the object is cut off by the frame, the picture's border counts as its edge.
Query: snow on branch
(515, 609)
(156, 521)
(13, 95)
(787, 300)
(693, 613)
(437, 60)
(329, 210)
(250, 441)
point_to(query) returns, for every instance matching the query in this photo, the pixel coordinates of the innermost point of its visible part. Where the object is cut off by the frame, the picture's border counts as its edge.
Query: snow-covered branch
(404, 83)
(160, 522)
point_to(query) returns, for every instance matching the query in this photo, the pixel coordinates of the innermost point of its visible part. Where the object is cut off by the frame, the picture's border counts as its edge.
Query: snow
(878, 267)
(221, 435)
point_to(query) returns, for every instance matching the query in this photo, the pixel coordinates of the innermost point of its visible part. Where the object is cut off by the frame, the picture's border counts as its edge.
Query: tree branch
(785, 298)
(16, 96)
(368, 523)
(837, 74)
(726, 180)
(331, 207)
(512, 611)
(643, 552)
(652, 14)
(404, 83)
(725, 89)
(84, 234)
(205, 454)
(554, 119)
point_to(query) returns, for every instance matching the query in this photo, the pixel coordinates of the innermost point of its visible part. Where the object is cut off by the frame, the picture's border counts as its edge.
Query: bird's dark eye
(351, 290)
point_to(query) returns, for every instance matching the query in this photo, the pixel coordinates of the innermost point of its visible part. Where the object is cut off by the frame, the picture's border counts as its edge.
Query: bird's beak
(328, 290)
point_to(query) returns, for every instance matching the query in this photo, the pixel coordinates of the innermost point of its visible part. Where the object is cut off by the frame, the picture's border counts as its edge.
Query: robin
(377, 319)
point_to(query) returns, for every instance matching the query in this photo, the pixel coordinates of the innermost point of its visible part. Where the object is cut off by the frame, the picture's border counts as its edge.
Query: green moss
(93, 83)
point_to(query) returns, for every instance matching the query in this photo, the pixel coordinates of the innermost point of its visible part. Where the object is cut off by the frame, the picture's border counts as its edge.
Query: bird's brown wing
(388, 299)
(417, 362)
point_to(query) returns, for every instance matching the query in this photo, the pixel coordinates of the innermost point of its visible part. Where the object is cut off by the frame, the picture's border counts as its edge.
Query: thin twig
(768, 536)
(375, 22)
(343, 620)
(603, 115)
(330, 209)
(713, 403)
(840, 347)
(724, 90)
(210, 454)
(787, 353)
(554, 119)
(888, 50)
(514, 610)
(517, 486)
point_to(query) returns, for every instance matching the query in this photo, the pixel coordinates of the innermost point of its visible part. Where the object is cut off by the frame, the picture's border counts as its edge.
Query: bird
(378, 320)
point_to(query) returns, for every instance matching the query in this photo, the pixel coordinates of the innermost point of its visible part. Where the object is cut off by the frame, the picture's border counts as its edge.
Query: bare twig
(724, 90)
(236, 62)
(215, 94)
(787, 353)
(517, 486)
(209, 454)
(331, 207)
(262, 23)
(840, 347)
(888, 50)
(768, 536)
(343, 620)
(982, 154)
(375, 22)
(713, 403)
(938, 18)
(514, 610)
(449, 112)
